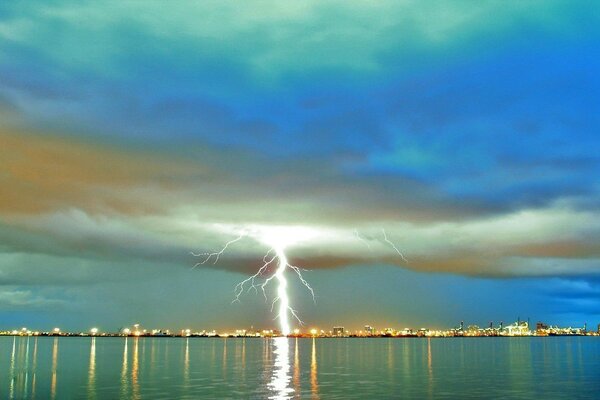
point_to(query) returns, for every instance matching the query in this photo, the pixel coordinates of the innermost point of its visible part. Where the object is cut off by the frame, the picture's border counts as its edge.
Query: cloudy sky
(134, 133)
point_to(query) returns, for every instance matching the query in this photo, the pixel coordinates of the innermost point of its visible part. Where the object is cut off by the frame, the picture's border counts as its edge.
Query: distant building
(541, 329)
(406, 332)
(370, 331)
(338, 331)
(518, 329)
(472, 330)
(389, 332)
(540, 326)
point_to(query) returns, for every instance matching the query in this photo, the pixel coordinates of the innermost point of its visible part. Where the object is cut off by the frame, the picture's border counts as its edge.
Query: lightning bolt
(385, 238)
(217, 254)
(263, 277)
(274, 267)
(362, 239)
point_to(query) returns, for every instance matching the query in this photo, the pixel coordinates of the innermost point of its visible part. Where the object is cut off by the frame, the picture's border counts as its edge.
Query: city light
(517, 329)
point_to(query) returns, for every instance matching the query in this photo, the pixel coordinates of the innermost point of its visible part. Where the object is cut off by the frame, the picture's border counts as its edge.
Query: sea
(302, 368)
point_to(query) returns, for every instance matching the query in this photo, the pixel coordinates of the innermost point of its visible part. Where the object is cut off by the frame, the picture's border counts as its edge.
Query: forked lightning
(275, 264)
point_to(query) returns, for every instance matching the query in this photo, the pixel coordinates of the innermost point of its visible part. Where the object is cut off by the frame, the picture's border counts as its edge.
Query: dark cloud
(100, 204)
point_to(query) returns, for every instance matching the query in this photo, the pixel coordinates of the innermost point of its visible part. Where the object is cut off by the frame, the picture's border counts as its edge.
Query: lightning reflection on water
(280, 380)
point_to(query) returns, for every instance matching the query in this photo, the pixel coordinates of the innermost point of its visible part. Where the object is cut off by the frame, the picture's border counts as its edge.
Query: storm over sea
(280, 368)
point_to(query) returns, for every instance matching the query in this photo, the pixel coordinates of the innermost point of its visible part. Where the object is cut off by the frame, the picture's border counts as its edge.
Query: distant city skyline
(134, 134)
(516, 328)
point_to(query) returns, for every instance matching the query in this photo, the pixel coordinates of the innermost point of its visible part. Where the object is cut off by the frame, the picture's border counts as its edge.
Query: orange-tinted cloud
(42, 173)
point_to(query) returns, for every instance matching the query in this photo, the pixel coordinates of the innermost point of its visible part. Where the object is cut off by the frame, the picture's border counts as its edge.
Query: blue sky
(134, 133)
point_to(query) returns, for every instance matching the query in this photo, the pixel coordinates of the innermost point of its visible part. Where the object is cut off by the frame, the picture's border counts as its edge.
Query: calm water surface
(207, 368)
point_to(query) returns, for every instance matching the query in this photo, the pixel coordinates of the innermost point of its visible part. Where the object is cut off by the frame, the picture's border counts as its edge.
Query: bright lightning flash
(274, 267)
(282, 298)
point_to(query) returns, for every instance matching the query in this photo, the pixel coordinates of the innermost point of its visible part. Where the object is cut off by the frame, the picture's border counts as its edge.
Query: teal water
(213, 368)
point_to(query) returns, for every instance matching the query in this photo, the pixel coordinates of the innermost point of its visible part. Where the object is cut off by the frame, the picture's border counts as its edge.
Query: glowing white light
(282, 295)
(278, 239)
(284, 301)
(280, 381)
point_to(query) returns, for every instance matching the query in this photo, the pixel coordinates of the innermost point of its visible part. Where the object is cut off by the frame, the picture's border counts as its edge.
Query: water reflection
(429, 356)
(225, 358)
(244, 360)
(92, 371)
(25, 386)
(280, 379)
(314, 384)
(33, 368)
(429, 368)
(390, 353)
(129, 378)
(54, 365)
(296, 368)
(135, 388)
(154, 346)
(19, 369)
(290, 368)
(186, 364)
(124, 381)
(11, 390)
(405, 369)
(266, 351)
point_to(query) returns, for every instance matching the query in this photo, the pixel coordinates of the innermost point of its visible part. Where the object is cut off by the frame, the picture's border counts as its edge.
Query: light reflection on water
(429, 369)
(296, 367)
(314, 383)
(280, 380)
(135, 389)
(124, 381)
(11, 392)
(54, 371)
(224, 358)
(186, 364)
(92, 371)
(33, 368)
(155, 368)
